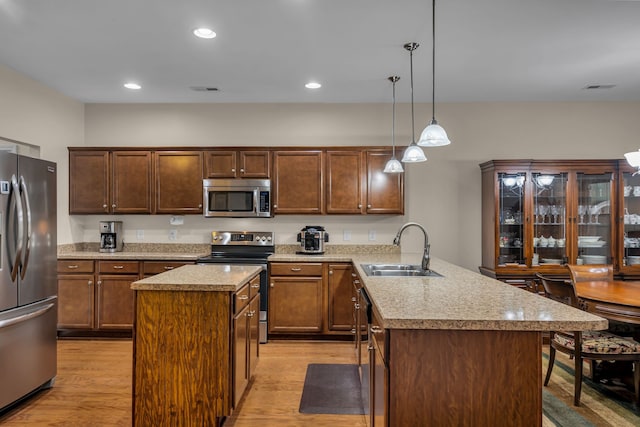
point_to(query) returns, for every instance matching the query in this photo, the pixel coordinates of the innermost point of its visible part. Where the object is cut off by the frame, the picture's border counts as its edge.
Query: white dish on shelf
(598, 244)
(594, 259)
(551, 261)
(588, 239)
(633, 260)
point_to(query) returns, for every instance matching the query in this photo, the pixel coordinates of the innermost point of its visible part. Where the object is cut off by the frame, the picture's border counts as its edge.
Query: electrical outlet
(346, 235)
(372, 235)
(140, 234)
(173, 234)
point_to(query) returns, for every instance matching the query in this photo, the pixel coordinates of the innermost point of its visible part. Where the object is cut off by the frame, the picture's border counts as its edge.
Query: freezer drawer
(27, 349)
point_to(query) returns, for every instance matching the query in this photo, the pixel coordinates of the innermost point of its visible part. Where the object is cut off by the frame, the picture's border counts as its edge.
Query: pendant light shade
(413, 153)
(393, 165)
(633, 158)
(433, 135)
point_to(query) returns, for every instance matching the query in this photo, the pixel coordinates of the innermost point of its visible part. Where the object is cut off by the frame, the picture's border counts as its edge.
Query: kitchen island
(195, 343)
(462, 349)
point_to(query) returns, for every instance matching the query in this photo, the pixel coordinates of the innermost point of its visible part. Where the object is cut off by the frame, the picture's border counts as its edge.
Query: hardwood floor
(93, 387)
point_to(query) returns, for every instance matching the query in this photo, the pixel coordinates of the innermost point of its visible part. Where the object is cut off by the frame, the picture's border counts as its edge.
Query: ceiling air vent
(599, 86)
(204, 88)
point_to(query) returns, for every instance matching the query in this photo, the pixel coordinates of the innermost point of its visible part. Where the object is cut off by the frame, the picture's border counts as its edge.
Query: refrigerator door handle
(20, 225)
(25, 317)
(24, 194)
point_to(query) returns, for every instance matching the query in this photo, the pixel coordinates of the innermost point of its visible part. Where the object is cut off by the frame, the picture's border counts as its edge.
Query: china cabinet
(540, 215)
(629, 220)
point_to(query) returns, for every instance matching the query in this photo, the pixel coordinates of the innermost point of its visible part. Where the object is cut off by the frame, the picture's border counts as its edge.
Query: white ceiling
(266, 50)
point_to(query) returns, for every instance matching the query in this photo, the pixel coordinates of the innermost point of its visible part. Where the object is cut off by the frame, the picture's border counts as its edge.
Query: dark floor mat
(332, 389)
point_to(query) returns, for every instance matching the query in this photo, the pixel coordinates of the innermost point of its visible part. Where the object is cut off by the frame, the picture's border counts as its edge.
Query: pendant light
(433, 135)
(393, 165)
(413, 153)
(633, 158)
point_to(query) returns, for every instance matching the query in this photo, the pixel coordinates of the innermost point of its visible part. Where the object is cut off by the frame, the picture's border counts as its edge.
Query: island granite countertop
(461, 300)
(208, 278)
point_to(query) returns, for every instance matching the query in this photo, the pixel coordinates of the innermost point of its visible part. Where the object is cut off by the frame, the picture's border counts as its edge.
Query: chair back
(559, 290)
(590, 273)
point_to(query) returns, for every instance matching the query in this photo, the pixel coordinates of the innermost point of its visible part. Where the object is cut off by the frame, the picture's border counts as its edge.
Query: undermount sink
(397, 270)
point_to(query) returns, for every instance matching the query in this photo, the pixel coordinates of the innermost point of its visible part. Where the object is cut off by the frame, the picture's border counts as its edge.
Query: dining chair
(590, 272)
(592, 345)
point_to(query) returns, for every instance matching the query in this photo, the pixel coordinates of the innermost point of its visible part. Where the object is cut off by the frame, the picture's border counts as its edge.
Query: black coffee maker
(312, 239)
(111, 236)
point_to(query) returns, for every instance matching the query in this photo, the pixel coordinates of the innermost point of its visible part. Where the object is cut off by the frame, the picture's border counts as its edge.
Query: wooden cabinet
(237, 164)
(76, 285)
(178, 182)
(539, 215)
(89, 182)
(345, 180)
(114, 299)
(341, 297)
(149, 268)
(110, 182)
(378, 376)
(297, 185)
(385, 191)
(295, 298)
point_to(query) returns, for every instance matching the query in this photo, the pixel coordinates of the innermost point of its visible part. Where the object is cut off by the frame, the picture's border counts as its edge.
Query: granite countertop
(151, 256)
(462, 299)
(209, 278)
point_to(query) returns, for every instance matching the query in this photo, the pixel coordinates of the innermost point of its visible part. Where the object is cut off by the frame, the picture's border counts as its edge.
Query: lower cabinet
(245, 337)
(76, 283)
(310, 298)
(378, 375)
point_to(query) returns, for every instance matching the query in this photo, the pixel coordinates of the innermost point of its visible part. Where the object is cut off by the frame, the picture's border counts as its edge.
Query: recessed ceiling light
(313, 85)
(204, 33)
(133, 86)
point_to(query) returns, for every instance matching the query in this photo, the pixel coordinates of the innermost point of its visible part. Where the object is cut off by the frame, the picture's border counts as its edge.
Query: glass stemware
(582, 210)
(555, 211)
(594, 212)
(544, 210)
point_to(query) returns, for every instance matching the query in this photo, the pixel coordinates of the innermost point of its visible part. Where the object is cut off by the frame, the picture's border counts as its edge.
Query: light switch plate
(140, 234)
(173, 234)
(346, 235)
(372, 235)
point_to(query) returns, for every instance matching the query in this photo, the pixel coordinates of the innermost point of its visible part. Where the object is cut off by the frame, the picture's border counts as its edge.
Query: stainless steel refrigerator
(28, 287)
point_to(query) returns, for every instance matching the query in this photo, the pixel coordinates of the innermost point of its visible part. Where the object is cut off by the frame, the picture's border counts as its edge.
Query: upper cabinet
(344, 182)
(385, 191)
(539, 215)
(297, 183)
(110, 182)
(237, 164)
(178, 182)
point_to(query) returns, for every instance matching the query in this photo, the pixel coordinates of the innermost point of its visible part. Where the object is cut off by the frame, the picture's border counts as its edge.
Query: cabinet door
(385, 191)
(295, 304)
(511, 219)
(115, 301)
(220, 164)
(297, 182)
(131, 190)
(378, 393)
(340, 297)
(75, 301)
(629, 215)
(253, 335)
(254, 164)
(89, 182)
(149, 268)
(344, 182)
(178, 182)
(240, 354)
(550, 224)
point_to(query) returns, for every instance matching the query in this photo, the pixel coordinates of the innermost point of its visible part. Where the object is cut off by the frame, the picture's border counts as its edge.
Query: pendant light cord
(433, 60)
(393, 121)
(413, 132)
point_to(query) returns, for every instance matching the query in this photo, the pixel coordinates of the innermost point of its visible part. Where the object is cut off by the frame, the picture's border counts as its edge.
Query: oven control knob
(269, 238)
(215, 237)
(264, 239)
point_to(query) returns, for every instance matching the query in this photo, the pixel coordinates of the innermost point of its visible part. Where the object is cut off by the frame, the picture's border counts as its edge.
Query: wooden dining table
(617, 300)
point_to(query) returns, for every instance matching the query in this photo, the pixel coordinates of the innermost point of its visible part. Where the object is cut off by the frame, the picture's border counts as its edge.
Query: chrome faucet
(426, 258)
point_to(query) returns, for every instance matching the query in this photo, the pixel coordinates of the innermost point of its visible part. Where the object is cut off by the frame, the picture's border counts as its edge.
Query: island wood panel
(465, 378)
(184, 380)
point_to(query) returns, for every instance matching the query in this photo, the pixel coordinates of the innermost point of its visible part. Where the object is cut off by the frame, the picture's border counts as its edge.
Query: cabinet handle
(200, 205)
(296, 269)
(233, 170)
(272, 285)
(275, 206)
(357, 282)
(353, 274)
(118, 267)
(90, 282)
(251, 313)
(72, 267)
(256, 286)
(353, 299)
(359, 205)
(99, 282)
(375, 330)
(241, 170)
(104, 206)
(243, 297)
(353, 331)
(168, 267)
(357, 306)
(113, 205)
(368, 206)
(330, 271)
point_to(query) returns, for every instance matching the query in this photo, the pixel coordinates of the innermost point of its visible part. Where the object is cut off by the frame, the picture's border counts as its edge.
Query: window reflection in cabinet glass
(549, 218)
(594, 218)
(631, 207)
(511, 218)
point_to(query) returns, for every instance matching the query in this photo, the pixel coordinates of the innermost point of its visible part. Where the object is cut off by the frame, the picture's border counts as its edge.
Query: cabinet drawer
(296, 269)
(118, 267)
(75, 266)
(156, 267)
(241, 299)
(254, 287)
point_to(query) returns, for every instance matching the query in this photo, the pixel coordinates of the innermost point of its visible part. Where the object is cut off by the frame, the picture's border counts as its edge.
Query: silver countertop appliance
(111, 236)
(312, 239)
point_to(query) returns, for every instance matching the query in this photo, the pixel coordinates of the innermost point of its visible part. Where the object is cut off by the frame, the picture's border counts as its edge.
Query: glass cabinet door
(511, 221)
(595, 219)
(631, 219)
(549, 211)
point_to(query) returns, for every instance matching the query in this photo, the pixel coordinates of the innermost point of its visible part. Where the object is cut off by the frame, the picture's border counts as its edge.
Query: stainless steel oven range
(245, 248)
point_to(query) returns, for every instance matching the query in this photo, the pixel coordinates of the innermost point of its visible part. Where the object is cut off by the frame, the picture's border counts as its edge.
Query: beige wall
(442, 194)
(33, 114)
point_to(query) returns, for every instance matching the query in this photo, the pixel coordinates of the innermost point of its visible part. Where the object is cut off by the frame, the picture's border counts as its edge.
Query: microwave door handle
(256, 198)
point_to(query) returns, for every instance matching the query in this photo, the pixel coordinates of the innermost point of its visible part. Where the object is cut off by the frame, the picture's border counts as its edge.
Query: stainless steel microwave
(236, 198)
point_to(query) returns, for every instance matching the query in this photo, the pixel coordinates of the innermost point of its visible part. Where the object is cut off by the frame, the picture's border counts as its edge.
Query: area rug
(332, 389)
